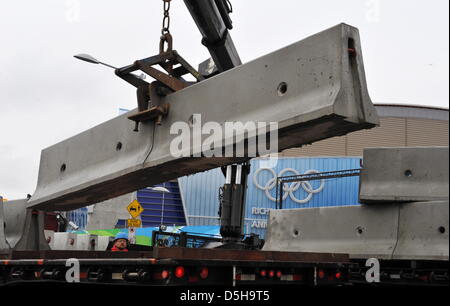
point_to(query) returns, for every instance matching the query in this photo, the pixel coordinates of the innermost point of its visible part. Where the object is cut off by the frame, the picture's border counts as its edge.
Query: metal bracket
(166, 84)
(150, 104)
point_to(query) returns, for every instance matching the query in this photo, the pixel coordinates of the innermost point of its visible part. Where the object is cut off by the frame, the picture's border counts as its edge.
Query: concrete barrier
(423, 231)
(404, 175)
(4, 246)
(24, 228)
(102, 243)
(65, 241)
(361, 231)
(415, 231)
(50, 238)
(314, 89)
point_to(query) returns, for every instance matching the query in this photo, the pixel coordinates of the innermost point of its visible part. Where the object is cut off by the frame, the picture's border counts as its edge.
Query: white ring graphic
(288, 189)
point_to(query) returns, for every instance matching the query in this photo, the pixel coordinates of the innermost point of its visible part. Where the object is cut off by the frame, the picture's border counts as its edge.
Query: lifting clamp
(151, 106)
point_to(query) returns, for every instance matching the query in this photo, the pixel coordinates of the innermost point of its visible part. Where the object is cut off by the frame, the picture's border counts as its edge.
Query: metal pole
(238, 174)
(276, 195)
(228, 176)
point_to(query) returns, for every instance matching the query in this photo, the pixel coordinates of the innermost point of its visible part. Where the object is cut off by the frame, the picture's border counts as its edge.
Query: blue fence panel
(261, 193)
(200, 191)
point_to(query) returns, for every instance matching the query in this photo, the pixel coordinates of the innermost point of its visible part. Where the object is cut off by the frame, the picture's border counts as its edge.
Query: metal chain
(166, 19)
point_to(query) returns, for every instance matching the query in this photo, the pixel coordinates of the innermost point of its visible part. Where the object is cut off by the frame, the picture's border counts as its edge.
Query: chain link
(166, 19)
(165, 44)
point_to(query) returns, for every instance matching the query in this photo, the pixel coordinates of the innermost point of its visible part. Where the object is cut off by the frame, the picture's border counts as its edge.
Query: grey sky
(47, 96)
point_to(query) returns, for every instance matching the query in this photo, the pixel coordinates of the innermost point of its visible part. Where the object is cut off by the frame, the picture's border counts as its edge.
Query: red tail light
(263, 273)
(338, 275)
(321, 274)
(271, 273)
(165, 274)
(279, 274)
(179, 272)
(204, 272)
(424, 278)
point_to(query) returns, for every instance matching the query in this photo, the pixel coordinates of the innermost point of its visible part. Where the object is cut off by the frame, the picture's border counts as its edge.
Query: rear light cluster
(270, 273)
(180, 273)
(204, 273)
(273, 275)
(329, 275)
(165, 274)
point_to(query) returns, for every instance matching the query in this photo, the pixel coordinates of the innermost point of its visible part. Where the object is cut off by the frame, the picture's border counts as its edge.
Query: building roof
(412, 111)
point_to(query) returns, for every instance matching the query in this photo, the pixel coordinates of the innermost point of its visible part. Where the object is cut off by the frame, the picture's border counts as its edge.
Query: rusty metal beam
(185, 254)
(243, 255)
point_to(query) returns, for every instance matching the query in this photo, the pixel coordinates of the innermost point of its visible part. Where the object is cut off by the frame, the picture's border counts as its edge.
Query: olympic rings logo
(289, 189)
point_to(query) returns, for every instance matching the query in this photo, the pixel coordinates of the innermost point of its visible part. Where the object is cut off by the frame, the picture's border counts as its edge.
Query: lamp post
(90, 59)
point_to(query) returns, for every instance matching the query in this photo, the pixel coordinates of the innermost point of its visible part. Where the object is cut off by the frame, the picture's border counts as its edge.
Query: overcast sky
(47, 96)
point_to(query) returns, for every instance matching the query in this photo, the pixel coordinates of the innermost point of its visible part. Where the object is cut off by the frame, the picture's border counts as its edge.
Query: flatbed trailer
(179, 267)
(213, 267)
(403, 273)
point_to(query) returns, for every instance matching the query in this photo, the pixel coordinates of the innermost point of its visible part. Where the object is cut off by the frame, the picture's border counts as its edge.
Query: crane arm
(213, 20)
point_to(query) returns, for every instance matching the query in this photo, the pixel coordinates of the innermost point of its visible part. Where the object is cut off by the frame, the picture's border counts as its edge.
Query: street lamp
(90, 59)
(160, 189)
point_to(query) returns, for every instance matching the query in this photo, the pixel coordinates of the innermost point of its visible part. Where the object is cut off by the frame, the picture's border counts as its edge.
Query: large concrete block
(423, 231)
(414, 231)
(106, 214)
(65, 241)
(50, 238)
(314, 89)
(4, 246)
(362, 232)
(81, 242)
(404, 175)
(102, 243)
(15, 215)
(85, 242)
(24, 228)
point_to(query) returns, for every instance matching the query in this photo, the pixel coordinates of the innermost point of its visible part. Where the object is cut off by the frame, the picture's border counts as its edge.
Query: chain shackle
(166, 39)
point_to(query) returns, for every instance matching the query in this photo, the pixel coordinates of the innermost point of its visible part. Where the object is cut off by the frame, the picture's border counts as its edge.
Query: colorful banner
(144, 235)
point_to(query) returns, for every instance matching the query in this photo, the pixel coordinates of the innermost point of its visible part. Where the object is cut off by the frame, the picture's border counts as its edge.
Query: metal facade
(200, 191)
(200, 194)
(400, 125)
(161, 208)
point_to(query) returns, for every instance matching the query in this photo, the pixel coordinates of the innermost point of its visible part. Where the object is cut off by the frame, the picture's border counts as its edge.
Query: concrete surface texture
(403, 231)
(325, 96)
(404, 175)
(105, 215)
